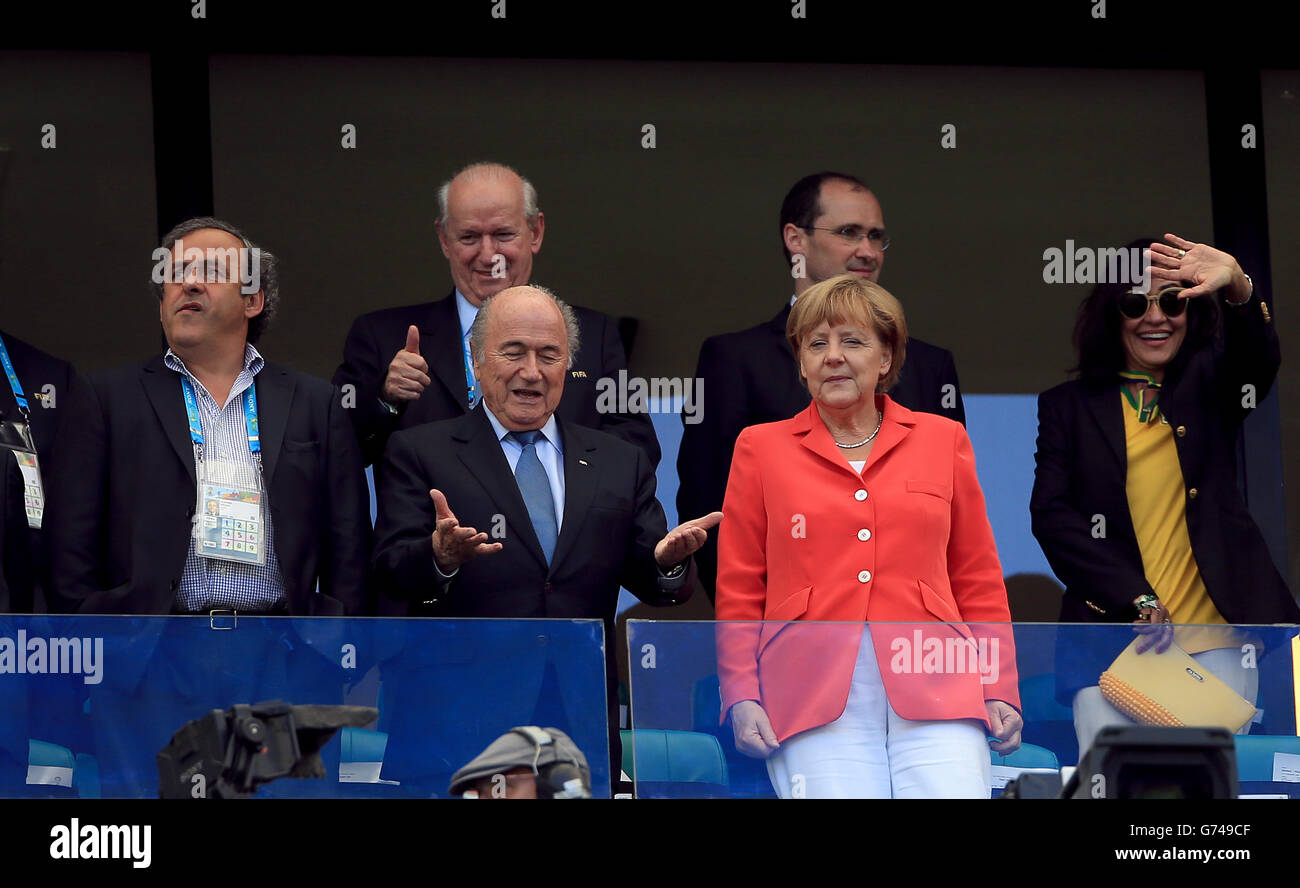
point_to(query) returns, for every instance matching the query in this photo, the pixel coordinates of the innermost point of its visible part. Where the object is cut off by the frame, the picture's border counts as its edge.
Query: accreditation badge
(231, 522)
(16, 437)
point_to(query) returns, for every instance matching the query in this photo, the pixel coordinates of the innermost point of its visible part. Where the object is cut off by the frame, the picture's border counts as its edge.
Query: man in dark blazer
(831, 223)
(476, 521)
(45, 382)
(408, 365)
(124, 503)
(124, 499)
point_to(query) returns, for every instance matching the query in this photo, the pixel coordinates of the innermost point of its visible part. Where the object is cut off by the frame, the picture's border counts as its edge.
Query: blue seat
(675, 764)
(361, 745)
(1255, 756)
(1027, 756)
(49, 764)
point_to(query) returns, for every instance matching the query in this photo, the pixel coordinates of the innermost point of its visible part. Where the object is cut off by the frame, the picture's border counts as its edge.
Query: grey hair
(486, 170)
(478, 330)
(267, 273)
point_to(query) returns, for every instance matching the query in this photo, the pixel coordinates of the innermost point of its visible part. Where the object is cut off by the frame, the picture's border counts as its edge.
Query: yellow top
(1157, 502)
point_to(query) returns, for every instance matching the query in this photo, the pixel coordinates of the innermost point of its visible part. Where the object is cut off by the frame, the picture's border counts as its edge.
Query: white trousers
(1092, 712)
(870, 752)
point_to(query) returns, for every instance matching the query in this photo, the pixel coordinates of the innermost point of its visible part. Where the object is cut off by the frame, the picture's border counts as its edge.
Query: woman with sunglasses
(1135, 499)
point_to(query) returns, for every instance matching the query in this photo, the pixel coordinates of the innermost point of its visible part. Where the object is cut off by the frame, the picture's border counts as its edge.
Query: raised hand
(453, 545)
(408, 373)
(1201, 265)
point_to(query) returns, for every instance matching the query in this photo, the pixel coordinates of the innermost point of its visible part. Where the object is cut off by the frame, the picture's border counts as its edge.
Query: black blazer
(377, 336)
(751, 377)
(1081, 471)
(17, 583)
(611, 525)
(123, 498)
(47, 383)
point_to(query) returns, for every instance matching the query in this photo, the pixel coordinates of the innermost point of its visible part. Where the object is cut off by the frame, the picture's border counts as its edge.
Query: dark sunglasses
(1135, 305)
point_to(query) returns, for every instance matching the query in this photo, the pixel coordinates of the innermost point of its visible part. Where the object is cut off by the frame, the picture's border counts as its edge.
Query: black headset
(561, 779)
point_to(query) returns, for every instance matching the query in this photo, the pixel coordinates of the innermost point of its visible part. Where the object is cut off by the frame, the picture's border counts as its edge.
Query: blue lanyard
(13, 380)
(196, 427)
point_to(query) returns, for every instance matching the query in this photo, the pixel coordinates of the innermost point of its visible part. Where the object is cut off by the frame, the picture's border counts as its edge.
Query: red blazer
(906, 546)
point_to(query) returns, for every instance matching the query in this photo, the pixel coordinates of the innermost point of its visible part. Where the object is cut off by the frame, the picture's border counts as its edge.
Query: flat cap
(523, 747)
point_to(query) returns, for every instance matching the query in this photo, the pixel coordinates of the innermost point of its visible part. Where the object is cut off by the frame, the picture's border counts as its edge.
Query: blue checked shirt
(209, 583)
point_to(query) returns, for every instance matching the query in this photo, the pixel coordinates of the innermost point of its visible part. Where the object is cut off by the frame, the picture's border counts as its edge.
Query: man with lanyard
(29, 402)
(261, 454)
(206, 481)
(36, 385)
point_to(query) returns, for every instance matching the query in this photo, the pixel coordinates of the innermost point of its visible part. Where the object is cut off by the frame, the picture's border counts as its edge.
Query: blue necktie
(536, 490)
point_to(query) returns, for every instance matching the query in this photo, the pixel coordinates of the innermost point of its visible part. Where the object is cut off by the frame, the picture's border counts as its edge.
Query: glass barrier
(904, 710)
(87, 702)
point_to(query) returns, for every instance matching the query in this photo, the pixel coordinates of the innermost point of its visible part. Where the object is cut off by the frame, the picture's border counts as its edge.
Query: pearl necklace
(866, 440)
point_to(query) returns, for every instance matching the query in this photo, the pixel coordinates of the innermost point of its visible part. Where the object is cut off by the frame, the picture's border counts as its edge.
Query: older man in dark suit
(512, 511)
(831, 223)
(411, 365)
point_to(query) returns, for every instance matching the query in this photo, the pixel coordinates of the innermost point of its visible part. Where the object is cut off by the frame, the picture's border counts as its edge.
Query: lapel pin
(582, 462)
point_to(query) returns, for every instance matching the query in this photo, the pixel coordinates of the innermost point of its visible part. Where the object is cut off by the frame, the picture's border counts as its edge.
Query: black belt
(278, 610)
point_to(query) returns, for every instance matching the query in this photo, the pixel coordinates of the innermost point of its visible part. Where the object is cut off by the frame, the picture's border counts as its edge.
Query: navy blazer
(122, 500)
(751, 377)
(376, 337)
(1080, 474)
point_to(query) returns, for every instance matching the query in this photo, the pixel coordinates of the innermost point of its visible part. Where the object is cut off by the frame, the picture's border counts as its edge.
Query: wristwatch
(1145, 601)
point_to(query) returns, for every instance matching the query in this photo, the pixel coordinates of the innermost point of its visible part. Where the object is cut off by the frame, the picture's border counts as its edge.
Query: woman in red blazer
(860, 511)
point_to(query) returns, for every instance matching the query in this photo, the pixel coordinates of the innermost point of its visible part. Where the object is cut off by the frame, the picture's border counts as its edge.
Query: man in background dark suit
(512, 511)
(831, 223)
(409, 365)
(126, 500)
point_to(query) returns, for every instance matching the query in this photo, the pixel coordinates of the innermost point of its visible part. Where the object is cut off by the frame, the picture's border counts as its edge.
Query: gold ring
(1182, 253)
